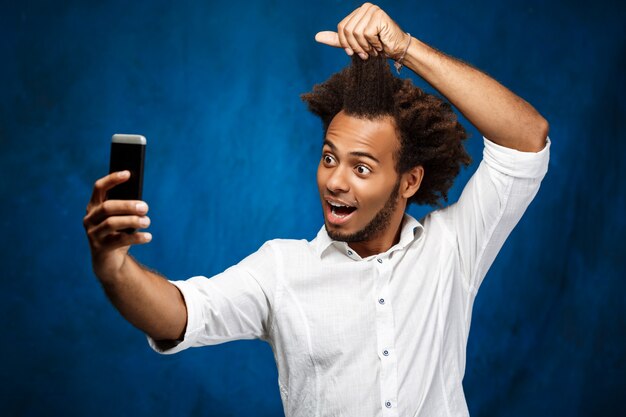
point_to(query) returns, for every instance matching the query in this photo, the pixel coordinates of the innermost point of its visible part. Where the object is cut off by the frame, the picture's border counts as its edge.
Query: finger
(116, 224)
(116, 208)
(359, 33)
(104, 184)
(353, 44)
(119, 240)
(358, 24)
(391, 36)
(348, 32)
(340, 33)
(328, 37)
(371, 29)
(371, 35)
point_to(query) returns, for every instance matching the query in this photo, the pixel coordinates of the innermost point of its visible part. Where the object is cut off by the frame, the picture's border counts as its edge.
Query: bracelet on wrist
(398, 62)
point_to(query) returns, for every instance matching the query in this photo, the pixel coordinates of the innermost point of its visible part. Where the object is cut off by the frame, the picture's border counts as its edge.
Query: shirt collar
(411, 231)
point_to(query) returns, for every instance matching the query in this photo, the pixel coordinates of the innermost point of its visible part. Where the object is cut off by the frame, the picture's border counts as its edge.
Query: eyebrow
(353, 153)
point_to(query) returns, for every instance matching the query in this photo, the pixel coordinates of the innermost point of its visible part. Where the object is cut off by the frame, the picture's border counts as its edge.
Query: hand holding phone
(115, 210)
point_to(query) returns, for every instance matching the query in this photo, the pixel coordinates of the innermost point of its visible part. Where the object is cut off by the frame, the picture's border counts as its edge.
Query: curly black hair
(429, 132)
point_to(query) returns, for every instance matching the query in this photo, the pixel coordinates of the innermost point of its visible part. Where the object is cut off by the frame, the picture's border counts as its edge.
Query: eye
(363, 170)
(328, 159)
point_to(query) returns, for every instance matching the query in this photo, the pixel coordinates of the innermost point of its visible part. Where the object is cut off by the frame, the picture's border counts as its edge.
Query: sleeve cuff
(194, 321)
(516, 163)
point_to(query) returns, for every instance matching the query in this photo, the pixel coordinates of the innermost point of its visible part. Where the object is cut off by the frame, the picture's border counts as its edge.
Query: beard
(377, 225)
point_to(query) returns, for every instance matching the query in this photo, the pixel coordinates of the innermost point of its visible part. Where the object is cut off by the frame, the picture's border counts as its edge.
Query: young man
(372, 316)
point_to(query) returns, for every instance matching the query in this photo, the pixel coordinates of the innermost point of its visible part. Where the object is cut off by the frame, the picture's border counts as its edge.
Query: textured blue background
(231, 163)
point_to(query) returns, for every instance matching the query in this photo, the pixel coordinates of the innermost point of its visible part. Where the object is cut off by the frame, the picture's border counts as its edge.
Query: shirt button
(381, 301)
(386, 352)
(388, 404)
(380, 261)
(350, 252)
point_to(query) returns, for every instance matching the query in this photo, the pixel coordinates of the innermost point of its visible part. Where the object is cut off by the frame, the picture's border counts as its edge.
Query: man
(372, 316)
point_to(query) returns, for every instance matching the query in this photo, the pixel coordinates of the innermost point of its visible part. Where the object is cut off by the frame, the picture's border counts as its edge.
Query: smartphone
(127, 153)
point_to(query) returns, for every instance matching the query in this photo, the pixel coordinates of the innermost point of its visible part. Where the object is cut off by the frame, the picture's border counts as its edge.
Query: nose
(337, 181)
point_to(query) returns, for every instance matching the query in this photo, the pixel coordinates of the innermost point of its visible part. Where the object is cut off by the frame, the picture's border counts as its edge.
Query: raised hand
(105, 222)
(367, 31)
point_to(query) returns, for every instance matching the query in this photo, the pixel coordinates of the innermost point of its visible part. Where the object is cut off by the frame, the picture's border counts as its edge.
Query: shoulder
(287, 247)
(437, 224)
(287, 243)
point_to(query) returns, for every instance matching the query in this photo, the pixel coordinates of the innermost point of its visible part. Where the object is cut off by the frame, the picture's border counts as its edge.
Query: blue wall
(231, 163)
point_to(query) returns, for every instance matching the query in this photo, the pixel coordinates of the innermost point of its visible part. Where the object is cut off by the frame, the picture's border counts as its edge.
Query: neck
(382, 242)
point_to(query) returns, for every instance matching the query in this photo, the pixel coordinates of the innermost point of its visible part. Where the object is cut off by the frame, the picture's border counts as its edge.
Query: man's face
(357, 180)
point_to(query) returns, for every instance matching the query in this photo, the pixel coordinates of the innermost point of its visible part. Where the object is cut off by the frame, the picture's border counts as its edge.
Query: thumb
(329, 38)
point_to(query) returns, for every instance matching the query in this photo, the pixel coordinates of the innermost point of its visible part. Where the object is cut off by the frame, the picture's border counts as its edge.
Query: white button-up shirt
(379, 336)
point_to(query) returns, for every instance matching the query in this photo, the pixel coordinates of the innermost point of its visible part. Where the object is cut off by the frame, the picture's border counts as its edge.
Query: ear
(411, 181)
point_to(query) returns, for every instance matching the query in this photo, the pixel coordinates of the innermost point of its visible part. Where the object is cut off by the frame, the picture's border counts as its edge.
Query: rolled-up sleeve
(233, 305)
(515, 163)
(492, 203)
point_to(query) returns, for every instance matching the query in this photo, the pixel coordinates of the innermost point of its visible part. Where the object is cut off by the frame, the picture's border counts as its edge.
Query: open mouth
(338, 213)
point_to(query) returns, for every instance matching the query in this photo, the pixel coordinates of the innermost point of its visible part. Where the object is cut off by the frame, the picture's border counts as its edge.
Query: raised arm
(499, 115)
(145, 299)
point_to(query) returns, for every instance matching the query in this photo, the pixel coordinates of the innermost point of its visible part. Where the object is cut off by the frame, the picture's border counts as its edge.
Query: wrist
(112, 267)
(401, 46)
(418, 56)
(399, 59)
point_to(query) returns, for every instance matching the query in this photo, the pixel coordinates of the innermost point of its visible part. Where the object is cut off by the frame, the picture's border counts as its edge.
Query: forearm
(147, 300)
(495, 111)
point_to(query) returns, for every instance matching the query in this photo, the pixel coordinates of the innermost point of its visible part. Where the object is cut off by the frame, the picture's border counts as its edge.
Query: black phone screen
(127, 156)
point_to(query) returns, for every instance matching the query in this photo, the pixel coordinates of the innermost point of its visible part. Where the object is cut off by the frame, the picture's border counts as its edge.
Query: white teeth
(336, 204)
